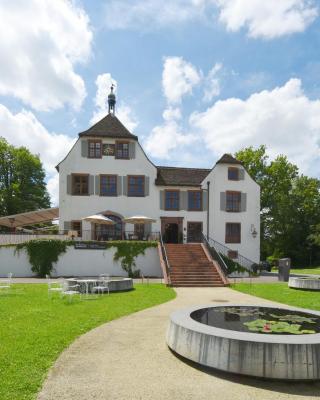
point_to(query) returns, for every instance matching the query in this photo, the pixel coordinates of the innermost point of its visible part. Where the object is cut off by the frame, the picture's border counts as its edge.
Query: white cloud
(212, 83)
(284, 119)
(23, 129)
(171, 114)
(41, 41)
(267, 19)
(142, 15)
(165, 138)
(178, 78)
(123, 111)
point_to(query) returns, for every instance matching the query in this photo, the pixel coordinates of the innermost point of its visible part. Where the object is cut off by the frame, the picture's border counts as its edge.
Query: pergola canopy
(30, 218)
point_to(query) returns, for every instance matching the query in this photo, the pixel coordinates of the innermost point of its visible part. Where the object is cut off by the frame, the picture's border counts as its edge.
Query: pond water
(259, 320)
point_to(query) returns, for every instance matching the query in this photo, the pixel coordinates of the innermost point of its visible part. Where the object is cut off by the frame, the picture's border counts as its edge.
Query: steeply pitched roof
(228, 159)
(175, 176)
(110, 127)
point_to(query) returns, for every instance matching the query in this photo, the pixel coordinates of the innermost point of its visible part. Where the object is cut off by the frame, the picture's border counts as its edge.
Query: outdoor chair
(70, 290)
(53, 286)
(5, 284)
(102, 285)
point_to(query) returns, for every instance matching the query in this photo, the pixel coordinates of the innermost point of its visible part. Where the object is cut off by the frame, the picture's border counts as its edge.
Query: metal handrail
(164, 255)
(215, 255)
(220, 248)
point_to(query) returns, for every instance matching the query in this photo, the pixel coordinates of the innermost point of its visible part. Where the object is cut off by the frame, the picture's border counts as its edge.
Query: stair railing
(165, 257)
(215, 255)
(220, 253)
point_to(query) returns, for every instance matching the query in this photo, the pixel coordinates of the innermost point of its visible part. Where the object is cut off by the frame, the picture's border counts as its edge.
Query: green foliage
(290, 206)
(22, 180)
(232, 265)
(264, 326)
(43, 253)
(37, 329)
(127, 251)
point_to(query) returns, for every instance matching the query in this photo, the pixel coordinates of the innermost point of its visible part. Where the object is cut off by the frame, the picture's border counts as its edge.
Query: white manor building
(107, 172)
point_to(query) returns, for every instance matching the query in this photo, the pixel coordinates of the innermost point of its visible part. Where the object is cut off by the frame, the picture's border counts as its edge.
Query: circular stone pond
(116, 284)
(306, 283)
(266, 342)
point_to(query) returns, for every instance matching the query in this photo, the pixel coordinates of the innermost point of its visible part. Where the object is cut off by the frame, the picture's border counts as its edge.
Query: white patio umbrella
(138, 219)
(99, 219)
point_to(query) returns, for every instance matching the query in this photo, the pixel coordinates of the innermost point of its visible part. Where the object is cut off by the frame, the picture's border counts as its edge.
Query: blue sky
(195, 78)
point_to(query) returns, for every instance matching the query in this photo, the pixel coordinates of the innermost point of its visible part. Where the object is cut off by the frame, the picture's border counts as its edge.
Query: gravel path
(128, 359)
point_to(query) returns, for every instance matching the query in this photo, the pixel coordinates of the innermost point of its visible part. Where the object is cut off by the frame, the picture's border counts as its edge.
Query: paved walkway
(128, 359)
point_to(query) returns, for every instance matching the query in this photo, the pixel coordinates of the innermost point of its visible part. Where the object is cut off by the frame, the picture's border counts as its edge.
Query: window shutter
(84, 148)
(223, 201)
(91, 184)
(132, 150)
(204, 200)
(241, 174)
(146, 186)
(125, 185)
(97, 185)
(69, 184)
(162, 199)
(243, 201)
(183, 200)
(67, 225)
(119, 185)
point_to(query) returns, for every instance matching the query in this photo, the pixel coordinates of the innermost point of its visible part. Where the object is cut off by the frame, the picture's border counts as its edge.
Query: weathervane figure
(111, 101)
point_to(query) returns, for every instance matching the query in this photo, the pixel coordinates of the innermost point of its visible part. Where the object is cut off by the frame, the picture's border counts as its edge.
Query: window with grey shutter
(132, 150)
(146, 186)
(162, 194)
(223, 201)
(67, 225)
(69, 184)
(97, 185)
(119, 185)
(183, 200)
(243, 201)
(125, 185)
(204, 200)
(84, 148)
(91, 184)
(241, 174)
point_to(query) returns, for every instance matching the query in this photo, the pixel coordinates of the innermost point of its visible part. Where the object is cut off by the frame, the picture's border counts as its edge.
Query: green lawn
(312, 271)
(34, 329)
(281, 293)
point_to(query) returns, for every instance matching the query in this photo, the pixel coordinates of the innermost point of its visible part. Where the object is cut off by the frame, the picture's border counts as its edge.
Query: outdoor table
(85, 285)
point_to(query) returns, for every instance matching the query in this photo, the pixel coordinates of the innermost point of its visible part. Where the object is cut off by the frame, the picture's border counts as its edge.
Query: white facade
(153, 203)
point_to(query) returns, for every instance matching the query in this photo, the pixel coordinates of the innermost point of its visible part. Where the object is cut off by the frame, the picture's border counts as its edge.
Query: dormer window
(233, 174)
(122, 150)
(95, 149)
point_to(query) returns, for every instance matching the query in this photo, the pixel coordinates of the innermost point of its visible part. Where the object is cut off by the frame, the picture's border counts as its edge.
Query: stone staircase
(190, 265)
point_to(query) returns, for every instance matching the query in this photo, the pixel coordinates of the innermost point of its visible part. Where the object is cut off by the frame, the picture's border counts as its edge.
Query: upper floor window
(233, 201)
(233, 232)
(108, 185)
(122, 150)
(195, 200)
(172, 199)
(233, 174)
(95, 149)
(80, 185)
(136, 185)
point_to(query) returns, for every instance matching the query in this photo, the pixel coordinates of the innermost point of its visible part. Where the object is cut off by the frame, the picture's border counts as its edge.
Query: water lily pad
(265, 326)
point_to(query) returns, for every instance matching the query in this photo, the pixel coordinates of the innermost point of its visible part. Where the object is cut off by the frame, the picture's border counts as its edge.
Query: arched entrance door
(110, 232)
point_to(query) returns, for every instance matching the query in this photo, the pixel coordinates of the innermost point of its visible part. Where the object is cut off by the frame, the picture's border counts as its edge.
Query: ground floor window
(233, 254)
(110, 232)
(77, 226)
(233, 232)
